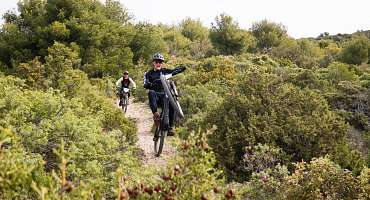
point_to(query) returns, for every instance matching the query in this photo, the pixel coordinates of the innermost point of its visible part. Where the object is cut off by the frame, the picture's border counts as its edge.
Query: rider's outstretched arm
(178, 70)
(175, 71)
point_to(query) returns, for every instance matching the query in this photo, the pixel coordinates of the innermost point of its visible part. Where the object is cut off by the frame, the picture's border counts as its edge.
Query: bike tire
(159, 141)
(175, 104)
(124, 104)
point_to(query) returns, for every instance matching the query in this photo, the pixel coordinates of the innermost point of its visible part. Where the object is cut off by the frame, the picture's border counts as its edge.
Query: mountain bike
(124, 99)
(170, 96)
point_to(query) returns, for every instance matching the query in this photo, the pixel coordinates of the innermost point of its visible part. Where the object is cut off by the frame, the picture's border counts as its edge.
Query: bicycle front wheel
(125, 104)
(159, 136)
(171, 96)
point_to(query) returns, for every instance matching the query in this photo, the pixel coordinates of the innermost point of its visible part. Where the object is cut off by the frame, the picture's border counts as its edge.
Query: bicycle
(170, 97)
(124, 99)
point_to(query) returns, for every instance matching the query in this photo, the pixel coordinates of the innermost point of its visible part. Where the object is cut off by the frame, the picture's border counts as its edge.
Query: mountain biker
(124, 82)
(156, 92)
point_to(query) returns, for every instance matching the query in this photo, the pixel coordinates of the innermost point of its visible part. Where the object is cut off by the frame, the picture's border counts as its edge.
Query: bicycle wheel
(125, 104)
(159, 136)
(171, 96)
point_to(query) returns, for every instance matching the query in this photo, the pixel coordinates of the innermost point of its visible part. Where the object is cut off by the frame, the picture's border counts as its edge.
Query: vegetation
(267, 116)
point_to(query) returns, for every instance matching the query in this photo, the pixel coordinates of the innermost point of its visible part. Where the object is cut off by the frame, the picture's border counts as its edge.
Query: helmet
(125, 73)
(158, 56)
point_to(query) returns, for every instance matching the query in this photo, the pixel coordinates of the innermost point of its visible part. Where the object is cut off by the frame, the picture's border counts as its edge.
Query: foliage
(264, 109)
(293, 100)
(95, 29)
(228, 38)
(193, 29)
(147, 41)
(304, 53)
(356, 50)
(267, 184)
(321, 179)
(268, 34)
(16, 175)
(191, 175)
(176, 42)
(318, 179)
(97, 135)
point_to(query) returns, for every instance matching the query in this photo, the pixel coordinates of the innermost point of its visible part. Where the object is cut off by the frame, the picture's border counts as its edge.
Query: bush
(97, 135)
(264, 109)
(322, 179)
(18, 168)
(192, 174)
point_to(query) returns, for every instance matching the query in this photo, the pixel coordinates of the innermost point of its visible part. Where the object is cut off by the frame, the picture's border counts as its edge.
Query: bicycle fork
(166, 112)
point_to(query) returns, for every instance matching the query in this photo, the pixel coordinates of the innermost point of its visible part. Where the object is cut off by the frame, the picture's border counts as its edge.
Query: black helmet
(158, 56)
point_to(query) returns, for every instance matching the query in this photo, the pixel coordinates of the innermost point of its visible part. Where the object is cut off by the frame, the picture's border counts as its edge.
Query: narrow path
(141, 113)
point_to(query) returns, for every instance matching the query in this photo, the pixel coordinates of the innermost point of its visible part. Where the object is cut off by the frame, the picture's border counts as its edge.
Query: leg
(153, 101)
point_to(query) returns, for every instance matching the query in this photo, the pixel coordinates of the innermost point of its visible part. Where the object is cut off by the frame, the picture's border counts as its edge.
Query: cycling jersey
(125, 83)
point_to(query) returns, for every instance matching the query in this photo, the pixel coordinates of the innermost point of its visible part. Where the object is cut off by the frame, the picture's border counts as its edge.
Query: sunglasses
(158, 61)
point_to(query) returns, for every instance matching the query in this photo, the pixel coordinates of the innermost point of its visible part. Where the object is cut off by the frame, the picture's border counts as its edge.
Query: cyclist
(124, 82)
(156, 92)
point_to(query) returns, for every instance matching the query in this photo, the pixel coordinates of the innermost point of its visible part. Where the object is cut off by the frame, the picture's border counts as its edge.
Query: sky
(303, 18)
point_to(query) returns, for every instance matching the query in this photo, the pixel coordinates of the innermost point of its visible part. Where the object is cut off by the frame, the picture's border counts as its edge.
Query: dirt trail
(141, 113)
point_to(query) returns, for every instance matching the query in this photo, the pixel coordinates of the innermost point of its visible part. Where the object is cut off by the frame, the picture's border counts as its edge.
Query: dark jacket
(152, 81)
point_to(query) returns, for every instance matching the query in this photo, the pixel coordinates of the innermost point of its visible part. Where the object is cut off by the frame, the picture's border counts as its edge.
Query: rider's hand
(182, 67)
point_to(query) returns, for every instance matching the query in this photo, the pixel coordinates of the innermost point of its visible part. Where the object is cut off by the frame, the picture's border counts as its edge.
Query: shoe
(171, 132)
(156, 119)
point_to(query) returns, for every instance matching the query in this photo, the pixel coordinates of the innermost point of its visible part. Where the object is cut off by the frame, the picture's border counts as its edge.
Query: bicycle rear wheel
(171, 96)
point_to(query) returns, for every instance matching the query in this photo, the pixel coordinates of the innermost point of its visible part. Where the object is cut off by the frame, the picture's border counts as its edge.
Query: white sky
(303, 18)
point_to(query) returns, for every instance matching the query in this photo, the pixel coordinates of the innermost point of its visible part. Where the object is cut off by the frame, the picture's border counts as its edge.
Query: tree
(199, 35)
(33, 72)
(101, 31)
(356, 50)
(177, 44)
(114, 10)
(147, 41)
(193, 29)
(268, 34)
(228, 38)
(60, 59)
(305, 53)
(264, 109)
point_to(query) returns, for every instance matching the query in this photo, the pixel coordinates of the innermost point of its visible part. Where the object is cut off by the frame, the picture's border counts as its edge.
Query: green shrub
(322, 179)
(97, 135)
(264, 109)
(18, 168)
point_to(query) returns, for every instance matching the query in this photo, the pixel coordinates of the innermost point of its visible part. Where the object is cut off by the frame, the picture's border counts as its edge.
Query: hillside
(266, 116)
